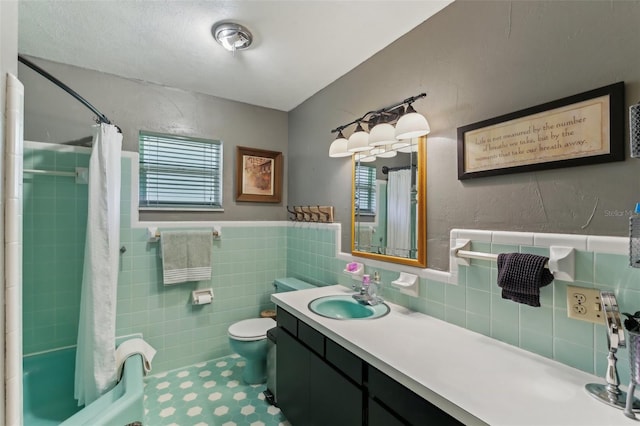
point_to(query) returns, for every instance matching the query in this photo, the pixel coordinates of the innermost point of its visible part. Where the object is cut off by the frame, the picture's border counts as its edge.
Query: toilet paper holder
(202, 297)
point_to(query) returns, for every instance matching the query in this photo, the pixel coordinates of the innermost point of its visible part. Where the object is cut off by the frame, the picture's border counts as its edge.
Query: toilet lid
(251, 329)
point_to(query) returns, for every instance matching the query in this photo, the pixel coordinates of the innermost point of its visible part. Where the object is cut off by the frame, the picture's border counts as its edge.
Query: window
(180, 173)
(365, 189)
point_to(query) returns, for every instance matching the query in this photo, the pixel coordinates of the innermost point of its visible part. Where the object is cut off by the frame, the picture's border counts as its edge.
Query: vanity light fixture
(359, 140)
(409, 124)
(412, 147)
(412, 125)
(232, 36)
(365, 157)
(388, 152)
(338, 147)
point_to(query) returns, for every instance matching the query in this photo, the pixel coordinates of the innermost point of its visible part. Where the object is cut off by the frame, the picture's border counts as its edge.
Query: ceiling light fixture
(408, 124)
(232, 36)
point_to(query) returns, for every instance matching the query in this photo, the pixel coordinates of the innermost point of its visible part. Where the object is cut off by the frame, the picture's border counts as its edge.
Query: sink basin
(346, 307)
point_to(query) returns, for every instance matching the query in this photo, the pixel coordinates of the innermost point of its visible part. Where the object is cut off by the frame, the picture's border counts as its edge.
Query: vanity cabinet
(322, 383)
(391, 401)
(311, 390)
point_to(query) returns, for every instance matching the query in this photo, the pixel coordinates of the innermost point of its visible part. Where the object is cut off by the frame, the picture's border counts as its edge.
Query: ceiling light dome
(338, 147)
(359, 140)
(382, 134)
(411, 125)
(232, 36)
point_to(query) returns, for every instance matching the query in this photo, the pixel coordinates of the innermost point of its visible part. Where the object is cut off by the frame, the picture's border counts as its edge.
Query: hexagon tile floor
(208, 394)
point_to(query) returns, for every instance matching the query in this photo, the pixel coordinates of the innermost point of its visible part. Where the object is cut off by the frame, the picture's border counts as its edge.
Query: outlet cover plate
(584, 304)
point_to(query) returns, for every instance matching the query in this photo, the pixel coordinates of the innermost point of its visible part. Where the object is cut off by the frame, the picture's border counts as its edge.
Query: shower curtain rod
(101, 118)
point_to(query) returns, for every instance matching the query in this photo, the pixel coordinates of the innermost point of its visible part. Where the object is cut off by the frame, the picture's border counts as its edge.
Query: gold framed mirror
(389, 205)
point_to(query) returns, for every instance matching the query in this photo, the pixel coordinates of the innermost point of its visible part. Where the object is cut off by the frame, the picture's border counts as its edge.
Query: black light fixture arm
(101, 118)
(380, 111)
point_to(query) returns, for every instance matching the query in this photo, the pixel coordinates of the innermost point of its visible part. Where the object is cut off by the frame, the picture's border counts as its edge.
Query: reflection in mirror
(389, 205)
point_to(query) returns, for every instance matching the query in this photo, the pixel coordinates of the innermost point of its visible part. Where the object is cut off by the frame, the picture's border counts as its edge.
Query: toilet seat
(251, 329)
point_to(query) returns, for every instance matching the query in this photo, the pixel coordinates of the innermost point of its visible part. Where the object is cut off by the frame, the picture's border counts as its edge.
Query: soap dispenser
(374, 285)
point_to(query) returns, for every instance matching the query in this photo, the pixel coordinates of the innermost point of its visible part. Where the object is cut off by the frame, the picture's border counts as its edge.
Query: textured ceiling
(299, 46)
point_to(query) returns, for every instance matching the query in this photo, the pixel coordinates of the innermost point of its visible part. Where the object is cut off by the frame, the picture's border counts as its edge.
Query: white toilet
(248, 338)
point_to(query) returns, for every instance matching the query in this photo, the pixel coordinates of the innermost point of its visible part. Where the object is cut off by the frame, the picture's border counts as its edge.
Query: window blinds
(180, 172)
(365, 189)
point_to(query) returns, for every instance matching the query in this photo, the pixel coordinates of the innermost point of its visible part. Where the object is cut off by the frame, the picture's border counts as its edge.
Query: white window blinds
(180, 172)
(365, 189)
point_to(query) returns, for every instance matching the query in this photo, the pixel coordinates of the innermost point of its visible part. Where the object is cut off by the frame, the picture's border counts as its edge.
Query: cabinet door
(406, 404)
(334, 400)
(292, 376)
(380, 416)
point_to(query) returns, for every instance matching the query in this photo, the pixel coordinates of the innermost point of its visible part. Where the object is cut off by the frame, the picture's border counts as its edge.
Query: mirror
(389, 206)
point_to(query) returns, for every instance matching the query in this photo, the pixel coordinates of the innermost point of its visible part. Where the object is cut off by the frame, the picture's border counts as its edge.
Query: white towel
(186, 256)
(132, 347)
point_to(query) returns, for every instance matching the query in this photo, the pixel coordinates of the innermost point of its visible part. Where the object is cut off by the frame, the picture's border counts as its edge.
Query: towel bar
(561, 258)
(216, 234)
(481, 256)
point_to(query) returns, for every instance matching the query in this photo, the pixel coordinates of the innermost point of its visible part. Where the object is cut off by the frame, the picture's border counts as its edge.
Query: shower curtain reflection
(399, 213)
(95, 356)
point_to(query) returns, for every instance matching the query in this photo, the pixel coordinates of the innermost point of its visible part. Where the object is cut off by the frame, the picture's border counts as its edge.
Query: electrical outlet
(584, 304)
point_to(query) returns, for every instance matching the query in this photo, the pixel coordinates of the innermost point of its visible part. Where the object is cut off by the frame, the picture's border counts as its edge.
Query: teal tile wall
(475, 302)
(310, 254)
(246, 261)
(54, 222)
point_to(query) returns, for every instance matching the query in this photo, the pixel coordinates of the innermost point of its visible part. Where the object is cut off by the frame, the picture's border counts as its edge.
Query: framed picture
(258, 175)
(587, 128)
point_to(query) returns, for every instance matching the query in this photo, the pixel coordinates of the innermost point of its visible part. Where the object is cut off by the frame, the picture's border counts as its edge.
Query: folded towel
(521, 275)
(132, 347)
(186, 256)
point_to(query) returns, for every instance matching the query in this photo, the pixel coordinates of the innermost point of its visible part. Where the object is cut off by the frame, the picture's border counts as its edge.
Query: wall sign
(587, 128)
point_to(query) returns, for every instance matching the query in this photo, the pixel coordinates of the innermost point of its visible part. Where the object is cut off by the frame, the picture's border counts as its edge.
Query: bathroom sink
(344, 306)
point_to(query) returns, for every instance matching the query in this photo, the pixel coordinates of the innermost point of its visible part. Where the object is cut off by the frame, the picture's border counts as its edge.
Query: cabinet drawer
(405, 403)
(344, 361)
(287, 321)
(312, 338)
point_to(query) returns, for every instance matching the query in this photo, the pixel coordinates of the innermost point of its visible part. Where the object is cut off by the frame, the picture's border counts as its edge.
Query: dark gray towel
(521, 275)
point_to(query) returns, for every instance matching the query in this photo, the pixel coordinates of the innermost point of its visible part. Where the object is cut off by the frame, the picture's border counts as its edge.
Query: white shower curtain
(95, 353)
(399, 213)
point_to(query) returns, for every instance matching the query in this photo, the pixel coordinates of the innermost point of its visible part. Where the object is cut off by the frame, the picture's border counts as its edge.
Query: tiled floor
(208, 394)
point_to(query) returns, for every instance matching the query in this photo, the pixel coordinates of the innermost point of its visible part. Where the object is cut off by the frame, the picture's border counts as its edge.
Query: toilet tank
(290, 284)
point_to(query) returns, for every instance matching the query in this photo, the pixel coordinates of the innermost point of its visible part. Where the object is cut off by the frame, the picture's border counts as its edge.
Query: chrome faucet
(367, 294)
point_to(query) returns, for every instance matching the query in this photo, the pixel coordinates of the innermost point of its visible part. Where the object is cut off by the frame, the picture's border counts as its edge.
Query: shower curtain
(399, 213)
(95, 353)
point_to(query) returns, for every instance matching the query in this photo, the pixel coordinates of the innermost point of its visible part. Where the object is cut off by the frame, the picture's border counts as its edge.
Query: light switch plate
(584, 304)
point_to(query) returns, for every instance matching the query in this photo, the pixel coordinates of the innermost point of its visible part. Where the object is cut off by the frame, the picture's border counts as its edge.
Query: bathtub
(48, 393)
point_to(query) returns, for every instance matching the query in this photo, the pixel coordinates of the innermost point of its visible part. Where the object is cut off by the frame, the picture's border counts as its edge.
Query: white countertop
(474, 378)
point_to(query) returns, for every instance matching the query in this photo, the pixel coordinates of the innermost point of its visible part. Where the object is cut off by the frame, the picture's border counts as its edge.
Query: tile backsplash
(251, 255)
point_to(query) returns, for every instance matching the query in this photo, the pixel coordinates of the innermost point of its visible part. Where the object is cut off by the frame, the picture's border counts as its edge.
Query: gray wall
(51, 115)
(477, 60)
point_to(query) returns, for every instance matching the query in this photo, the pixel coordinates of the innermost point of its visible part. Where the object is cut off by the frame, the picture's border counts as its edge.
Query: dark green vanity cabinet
(321, 383)
(311, 391)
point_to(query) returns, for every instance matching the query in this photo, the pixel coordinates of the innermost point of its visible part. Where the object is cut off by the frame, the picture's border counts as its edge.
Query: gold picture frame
(258, 175)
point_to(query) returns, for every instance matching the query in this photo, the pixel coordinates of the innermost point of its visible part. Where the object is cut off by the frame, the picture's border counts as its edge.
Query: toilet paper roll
(203, 299)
